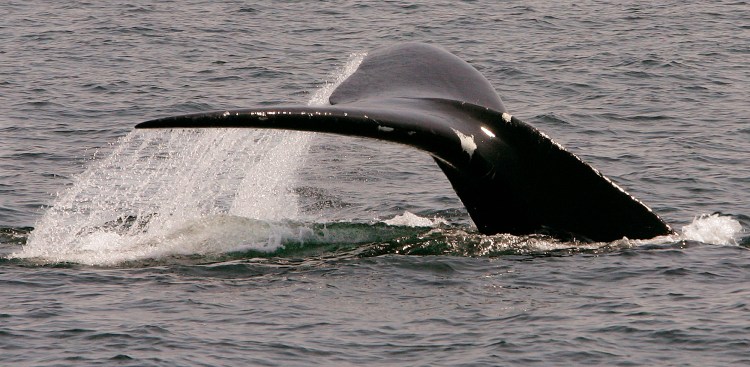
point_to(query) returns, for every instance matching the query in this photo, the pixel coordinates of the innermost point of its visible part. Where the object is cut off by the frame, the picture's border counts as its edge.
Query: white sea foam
(412, 220)
(170, 192)
(713, 229)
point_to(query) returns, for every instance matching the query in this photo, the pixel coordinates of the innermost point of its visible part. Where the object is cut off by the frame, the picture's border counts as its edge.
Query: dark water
(247, 247)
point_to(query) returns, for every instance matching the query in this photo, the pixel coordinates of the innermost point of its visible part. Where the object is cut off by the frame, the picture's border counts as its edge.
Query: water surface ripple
(319, 259)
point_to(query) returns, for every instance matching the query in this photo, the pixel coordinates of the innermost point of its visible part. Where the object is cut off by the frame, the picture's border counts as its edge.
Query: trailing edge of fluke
(511, 177)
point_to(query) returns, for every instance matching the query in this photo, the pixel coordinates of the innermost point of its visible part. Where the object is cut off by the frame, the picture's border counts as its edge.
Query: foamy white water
(412, 220)
(713, 229)
(180, 191)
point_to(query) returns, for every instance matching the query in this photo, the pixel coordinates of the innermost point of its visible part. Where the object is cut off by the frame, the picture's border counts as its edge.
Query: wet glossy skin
(511, 177)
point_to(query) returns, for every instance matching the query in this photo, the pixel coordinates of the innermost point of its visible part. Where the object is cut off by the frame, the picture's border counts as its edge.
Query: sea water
(249, 247)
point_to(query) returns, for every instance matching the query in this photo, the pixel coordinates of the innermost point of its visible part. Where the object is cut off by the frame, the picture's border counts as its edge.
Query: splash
(713, 229)
(410, 219)
(176, 192)
(710, 229)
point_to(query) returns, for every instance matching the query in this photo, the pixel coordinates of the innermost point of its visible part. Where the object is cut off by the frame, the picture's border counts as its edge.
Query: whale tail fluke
(511, 177)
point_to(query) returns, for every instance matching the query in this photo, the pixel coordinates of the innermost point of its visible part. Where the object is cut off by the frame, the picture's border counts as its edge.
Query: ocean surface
(247, 247)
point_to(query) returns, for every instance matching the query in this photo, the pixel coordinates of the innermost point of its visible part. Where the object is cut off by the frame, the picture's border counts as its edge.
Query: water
(244, 247)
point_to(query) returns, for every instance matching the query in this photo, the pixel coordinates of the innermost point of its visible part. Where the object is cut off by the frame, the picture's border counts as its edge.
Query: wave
(222, 238)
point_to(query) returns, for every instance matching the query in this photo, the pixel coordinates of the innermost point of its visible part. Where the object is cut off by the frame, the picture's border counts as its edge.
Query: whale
(511, 177)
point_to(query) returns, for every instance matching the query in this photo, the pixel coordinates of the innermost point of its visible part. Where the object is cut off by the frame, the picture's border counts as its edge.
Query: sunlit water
(247, 247)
